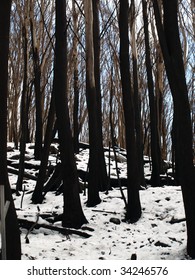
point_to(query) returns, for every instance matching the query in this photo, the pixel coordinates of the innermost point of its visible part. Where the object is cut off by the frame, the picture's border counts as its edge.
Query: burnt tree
(136, 99)
(155, 143)
(75, 80)
(13, 245)
(103, 179)
(133, 211)
(73, 215)
(37, 84)
(93, 181)
(24, 112)
(168, 33)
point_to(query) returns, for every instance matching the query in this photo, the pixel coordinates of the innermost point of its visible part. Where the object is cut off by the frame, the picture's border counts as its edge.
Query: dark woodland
(97, 75)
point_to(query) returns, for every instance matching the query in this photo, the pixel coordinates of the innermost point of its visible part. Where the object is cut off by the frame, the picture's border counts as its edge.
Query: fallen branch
(54, 181)
(175, 221)
(33, 225)
(27, 165)
(66, 231)
(104, 211)
(26, 175)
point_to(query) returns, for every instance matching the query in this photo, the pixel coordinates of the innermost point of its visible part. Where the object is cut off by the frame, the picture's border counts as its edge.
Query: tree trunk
(37, 196)
(73, 215)
(172, 53)
(93, 183)
(137, 101)
(13, 245)
(134, 206)
(24, 113)
(103, 180)
(155, 144)
(76, 81)
(37, 87)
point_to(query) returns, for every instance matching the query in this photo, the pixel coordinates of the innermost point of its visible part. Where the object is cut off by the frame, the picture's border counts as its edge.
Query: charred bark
(93, 186)
(155, 144)
(24, 114)
(103, 179)
(133, 211)
(13, 245)
(172, 54)
(73, 215)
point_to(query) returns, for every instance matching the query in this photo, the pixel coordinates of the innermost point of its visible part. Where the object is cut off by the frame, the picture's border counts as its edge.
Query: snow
(153, 237)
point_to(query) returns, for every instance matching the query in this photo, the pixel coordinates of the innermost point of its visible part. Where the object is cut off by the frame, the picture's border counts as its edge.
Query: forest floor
(160, 234)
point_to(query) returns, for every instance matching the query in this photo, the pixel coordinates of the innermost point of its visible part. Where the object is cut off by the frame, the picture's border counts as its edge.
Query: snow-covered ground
(153, 237)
